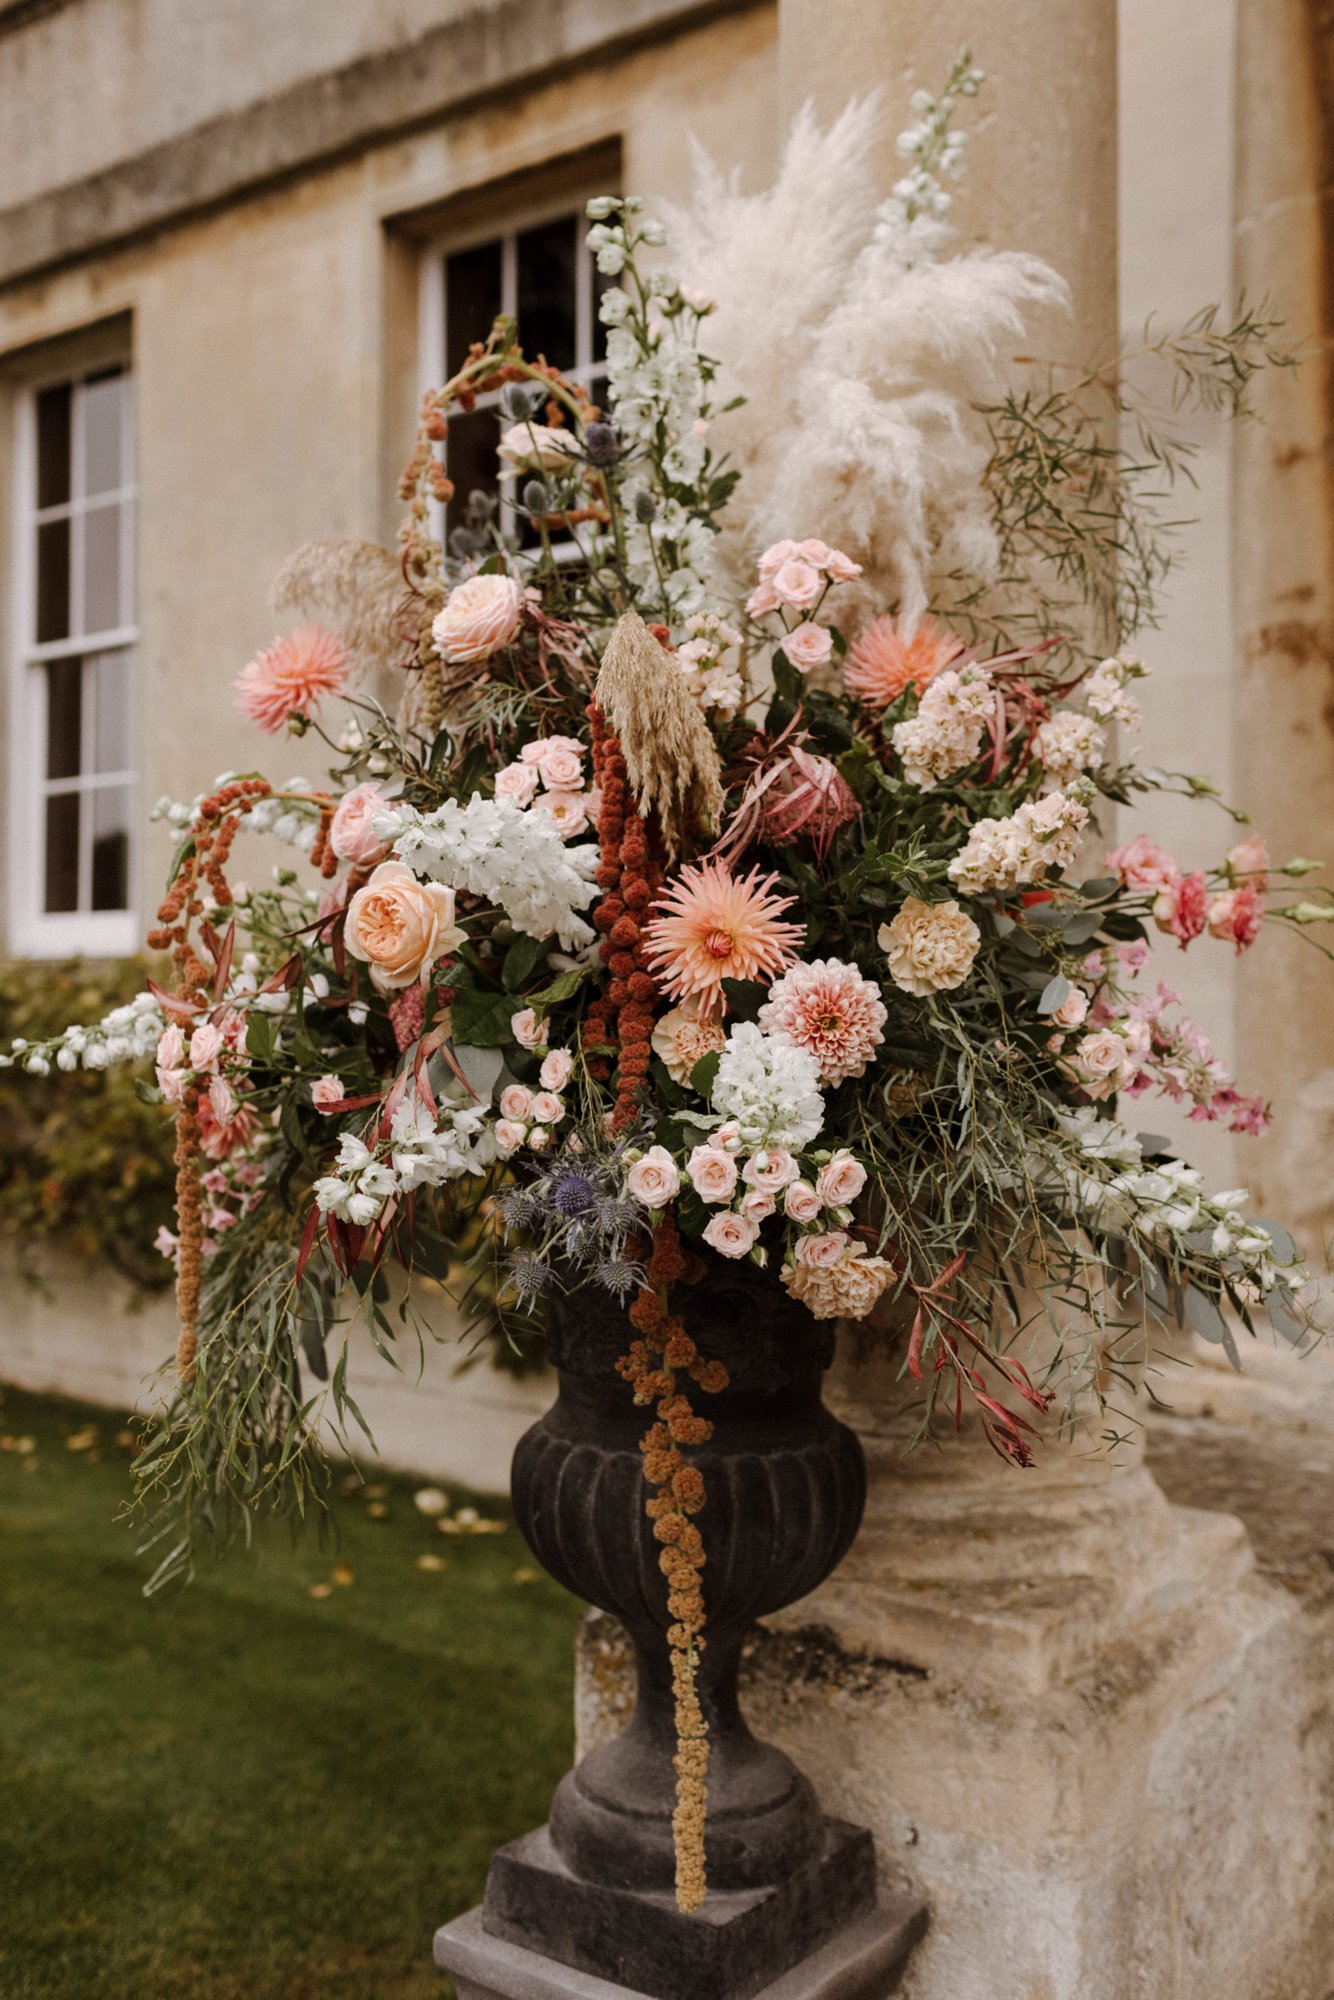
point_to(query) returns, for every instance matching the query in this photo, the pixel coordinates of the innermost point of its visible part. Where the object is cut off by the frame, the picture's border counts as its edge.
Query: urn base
(717, 1954)
(544, 1931)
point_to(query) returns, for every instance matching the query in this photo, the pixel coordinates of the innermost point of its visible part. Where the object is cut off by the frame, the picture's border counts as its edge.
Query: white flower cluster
(1067, 745)
(770, 1088)
(1000, 854)
(946, 732)
(513, 859)
(127, 1034)
(280, 817)
(1106, 691)
(933, 149)
(713, 680)
(422, 1152)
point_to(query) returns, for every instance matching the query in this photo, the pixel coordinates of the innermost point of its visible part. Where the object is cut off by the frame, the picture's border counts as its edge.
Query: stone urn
(585, 1904)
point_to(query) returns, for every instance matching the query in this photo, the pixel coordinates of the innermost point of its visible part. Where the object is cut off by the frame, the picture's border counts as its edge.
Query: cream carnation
(681, 1039)
(480, 616)
(930, 947)
(832, 1011)
(846, 1290)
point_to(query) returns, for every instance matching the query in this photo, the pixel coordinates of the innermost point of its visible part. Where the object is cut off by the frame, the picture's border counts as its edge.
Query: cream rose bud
(510, 1135)
(539, 1139)
(653, 1180)
(327, 1093)
(548, 1108)
(555, 1071)
(728, 1135)
(841, 567)
(801, 1203)
(539, 447)
(205, 1046)
(562, 770)
(712, 1173)
(352, 834)
(400, 926)
(798, 583)
(1071, 1010)
(528, 1031)
(516, 1102)
(808, 646)
(840, 1180)
(770, 1170)
(480, 616)
(822, 1250)
(517, 782)
(758, 1205)
(731, 1235)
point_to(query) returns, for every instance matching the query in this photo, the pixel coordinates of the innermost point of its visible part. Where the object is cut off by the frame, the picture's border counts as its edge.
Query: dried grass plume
(357, 586)
(670, 756)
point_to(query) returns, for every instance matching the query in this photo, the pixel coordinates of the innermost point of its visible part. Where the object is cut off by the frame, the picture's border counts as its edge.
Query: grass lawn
(277, 1782)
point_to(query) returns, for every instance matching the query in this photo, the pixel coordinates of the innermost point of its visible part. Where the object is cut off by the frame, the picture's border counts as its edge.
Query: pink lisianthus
(352, 835)
(327, 1093)
(712, 1173)
(1142, 864)
(808, 646)
(1181, 907)
(732, 1235)
(292, 677)
(1237, 915)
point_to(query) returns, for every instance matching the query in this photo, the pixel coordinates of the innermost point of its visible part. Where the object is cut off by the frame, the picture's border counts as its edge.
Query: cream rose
(654, 1180)
(528, 1031)
(731, 1235)
(771, 1170)
(516, 1103)
(840, 1180)
(517, 782)
(555, 1071)
(930, 946)
(568, 811)
(327, 1093)
(808, 646)
(800, 1202)
(480, 617)
(352, 835)
(537, 447)
(1071, 1010)
(712, 1173)
(798, 583)
(562, 769)
(510, 1135)
(400, 926)
(548, 1108)
(205, 1046)
(823, 1250)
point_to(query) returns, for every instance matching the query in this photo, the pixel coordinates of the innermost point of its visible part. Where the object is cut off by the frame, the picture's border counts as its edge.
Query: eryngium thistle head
(645, 506)
(520, 401)
(528, 1278)
(536, 499)
(618, 1275)
(519, 1208)
(614, 1216)
(601, 444)
(573, 1194)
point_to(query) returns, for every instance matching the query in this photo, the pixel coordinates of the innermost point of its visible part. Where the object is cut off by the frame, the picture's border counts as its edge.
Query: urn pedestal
(586, 1903)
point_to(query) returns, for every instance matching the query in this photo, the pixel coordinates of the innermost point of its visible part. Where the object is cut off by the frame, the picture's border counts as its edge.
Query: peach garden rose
(352, 835)
(480, 617)
(399, 926)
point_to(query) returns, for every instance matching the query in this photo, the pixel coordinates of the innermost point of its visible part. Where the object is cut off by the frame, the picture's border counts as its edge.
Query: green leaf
(563, 987)
(520, 960)
(1053, 993)
(259, 1036)
(1078, 930)
(1206, 1320)
(483, 1019)
(704, 1074)
(691, 1213)
(745, 997)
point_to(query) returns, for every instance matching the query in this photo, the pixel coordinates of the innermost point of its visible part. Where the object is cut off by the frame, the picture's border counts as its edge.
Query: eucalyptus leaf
(1204, 1318)
(1053, 993)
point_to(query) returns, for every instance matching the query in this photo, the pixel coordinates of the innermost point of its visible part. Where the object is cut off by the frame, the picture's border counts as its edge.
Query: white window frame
(33, 931)
(505, 225)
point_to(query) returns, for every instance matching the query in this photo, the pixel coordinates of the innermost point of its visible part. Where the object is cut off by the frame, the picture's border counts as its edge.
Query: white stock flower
(513, 859)
(770, 1088)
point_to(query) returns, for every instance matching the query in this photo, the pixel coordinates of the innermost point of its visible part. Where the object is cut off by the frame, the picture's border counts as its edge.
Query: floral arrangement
(717, 868)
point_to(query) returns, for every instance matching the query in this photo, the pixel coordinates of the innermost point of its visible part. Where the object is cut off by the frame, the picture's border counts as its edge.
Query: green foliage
(85, 1163)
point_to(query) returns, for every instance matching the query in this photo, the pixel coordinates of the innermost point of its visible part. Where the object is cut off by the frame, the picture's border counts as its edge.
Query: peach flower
(480, 616)
(930, 946)
(555, 1071)
(510, 1135)
(845, 1290)
(327, 1093)
(840, 1180)
(712, 925)
(712, 1173)
(808, 646)
(352, 836)
(731, 1235)
(653, 1180)
(516, 1103)
(886, 658)
(400, 926)
(801, 1203)
(292, 677)
(681, 1039)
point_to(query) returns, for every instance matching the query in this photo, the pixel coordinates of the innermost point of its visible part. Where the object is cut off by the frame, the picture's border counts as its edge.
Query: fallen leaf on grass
(83, 1440)
(378, 1511)
(429, 1500)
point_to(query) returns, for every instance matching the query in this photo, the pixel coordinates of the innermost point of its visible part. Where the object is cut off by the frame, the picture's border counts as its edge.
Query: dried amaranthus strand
(629, 873)
(190, 1236)
(653, 1367)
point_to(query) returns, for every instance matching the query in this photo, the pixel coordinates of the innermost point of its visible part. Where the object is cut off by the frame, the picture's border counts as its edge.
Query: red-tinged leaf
(1002, 1415)
(308, 1236)
(943, 1278)
(423, 1082)
(356, 1242)
(211, 941)
(337, 1247)
(285, 977)
(171, 1001)
(354, 1103)
(915, 1345)
(224, 961)
(338, 943)
(448, 1055)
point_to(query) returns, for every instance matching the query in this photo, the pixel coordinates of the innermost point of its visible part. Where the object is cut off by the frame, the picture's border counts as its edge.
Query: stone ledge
(504, 46)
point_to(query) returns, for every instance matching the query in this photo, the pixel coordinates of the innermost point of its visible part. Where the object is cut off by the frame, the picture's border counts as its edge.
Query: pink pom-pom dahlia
(831, 1011)
(886, 658)
(292, 677)
(713, 925)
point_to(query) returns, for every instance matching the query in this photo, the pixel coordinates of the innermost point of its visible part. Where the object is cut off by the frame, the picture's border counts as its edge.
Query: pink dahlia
(713, 925)
(887, 658)
(830, 1010)
(292, 677)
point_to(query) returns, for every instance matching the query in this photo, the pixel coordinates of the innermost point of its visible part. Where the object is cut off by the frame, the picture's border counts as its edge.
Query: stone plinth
(1094, 1735)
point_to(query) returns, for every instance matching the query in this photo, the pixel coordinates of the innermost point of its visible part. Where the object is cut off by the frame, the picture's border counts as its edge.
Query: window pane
(471, 460)
(103, 403)
(546, 309)
(62, 853)
(111, 846)
(472, 300)
(53, 580)
(111, 711)
(64, 717)
(53, 446)
(101, 569)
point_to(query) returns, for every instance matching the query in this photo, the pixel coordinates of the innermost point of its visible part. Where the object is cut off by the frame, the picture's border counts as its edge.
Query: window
(72, 734)
(540, 273)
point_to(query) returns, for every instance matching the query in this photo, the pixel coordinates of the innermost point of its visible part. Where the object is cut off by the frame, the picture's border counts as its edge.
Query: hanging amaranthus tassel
(628, 872)
(663, 1353)
(190, 1236)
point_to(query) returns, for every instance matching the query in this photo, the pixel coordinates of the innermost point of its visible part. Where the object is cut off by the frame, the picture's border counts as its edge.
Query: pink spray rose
(654, 1180)
(517, 782)
(840, 1180)
(731, 1235)
(758, 1205)
(801, 1203)
(555, 1071)
(712, 1173)
(770, 1170)
(480, 616)
(798, 583)
(510, 1135)
(516, 1103)
(548, 1108)
(528, 1031)
(327, 1093)
(352, 835)
(808, 646)
(822, 1250)
(562, 768)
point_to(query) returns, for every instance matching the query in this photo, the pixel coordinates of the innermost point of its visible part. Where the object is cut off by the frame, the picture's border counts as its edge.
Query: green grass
(239, 1789)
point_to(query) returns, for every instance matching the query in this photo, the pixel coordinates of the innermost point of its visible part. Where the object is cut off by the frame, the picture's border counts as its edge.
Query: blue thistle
(618, 1275)
(529, 1278)
(573, 1194)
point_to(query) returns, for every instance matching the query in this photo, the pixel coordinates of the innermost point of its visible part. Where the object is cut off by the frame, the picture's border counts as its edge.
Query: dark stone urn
(585, 1905)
